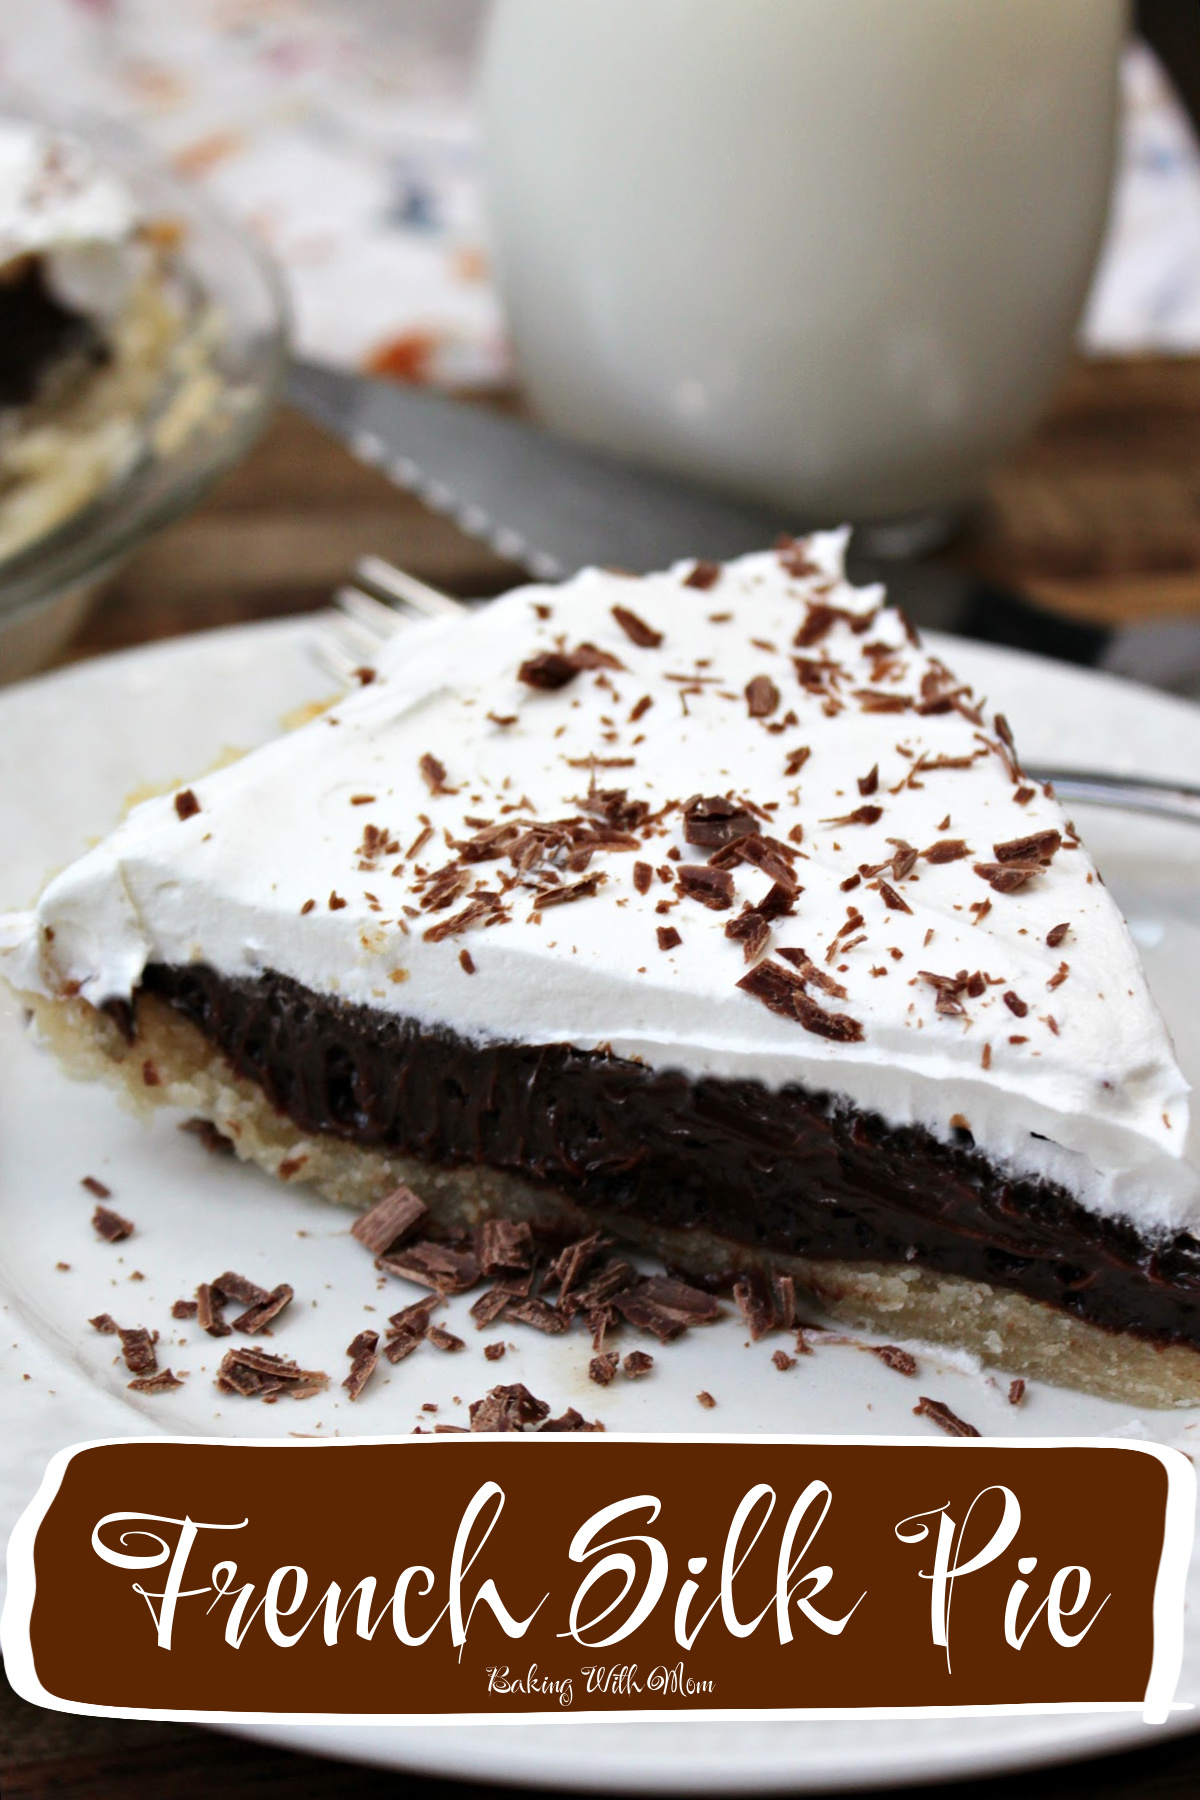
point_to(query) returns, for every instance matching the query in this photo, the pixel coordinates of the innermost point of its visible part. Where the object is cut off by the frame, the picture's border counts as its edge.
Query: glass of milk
(828, 253)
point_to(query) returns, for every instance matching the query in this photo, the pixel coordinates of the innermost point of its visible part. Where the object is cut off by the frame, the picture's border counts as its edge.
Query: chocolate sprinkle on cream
(186, 804)
(637, 630)
(704, 575)
(783, 992)
(549, 671)
(862, 815)
(711, 887)
(762, 697)
(96, 1188)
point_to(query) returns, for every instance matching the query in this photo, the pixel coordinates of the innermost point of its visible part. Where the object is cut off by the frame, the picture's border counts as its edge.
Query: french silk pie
(707, 908)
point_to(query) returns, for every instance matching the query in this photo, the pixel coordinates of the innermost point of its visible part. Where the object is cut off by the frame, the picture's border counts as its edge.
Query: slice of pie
(707, 907)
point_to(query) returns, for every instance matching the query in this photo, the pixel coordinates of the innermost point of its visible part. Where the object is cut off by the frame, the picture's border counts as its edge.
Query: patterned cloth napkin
(344, 132)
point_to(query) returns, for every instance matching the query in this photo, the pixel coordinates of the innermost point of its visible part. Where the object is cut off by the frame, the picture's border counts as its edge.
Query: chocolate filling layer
(36, 331)
(791, 1172)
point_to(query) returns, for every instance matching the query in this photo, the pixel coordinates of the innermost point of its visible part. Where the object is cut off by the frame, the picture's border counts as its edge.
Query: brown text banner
(491, 1576)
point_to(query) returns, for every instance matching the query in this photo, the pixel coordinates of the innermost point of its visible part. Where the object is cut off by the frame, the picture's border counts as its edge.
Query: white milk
(827, 252)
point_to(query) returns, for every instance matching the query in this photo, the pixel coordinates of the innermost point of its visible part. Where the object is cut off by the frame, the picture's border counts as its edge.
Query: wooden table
(1098, 517)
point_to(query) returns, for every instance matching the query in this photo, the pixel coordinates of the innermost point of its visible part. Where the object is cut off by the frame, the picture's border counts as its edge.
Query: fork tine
(383, 621)
(333, 656)
(397, 585)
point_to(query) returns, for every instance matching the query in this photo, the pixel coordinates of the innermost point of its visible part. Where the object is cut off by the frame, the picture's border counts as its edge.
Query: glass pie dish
(186, 420)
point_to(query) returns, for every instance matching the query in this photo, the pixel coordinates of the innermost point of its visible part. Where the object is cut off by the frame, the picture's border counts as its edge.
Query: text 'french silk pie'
(708, 908)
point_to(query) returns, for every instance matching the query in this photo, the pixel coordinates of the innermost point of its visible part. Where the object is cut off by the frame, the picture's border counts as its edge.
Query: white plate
(73, 747)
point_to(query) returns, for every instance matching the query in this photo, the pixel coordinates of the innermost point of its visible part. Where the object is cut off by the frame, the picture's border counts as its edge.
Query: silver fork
(382, 600)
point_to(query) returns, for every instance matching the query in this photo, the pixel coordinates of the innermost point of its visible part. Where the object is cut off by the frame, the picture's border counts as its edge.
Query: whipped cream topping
(57, 201)
(730, 821)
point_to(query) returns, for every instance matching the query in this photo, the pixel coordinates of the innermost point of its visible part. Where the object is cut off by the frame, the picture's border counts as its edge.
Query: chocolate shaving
(186, 804)
(1014, 1003)
(364, 1358)
(163, 1381)
(867, 784)
(712, 821)
(571, 1420)
(96, 1188)
(572, 1263)
(1038, 846)
(903, 1361)
(756, 1303)
(1056, 934)
(666, 1308)
(441, 1339)
(490, 1306)
(137, 1348)
(414, 1317)
(258, 1374)
(762, 696)
(783, 992)
(809, 973)
(946, 850)
(637, 1364)
(493, 1352)
(948, 989)
(603, 1368)
(396, 1217)
(105, 1324)
(892, 899)
(434, 774)
(643, 875)
(402, 1344)
(548, 671)
(1007, 877)
(637, 630)
(232, 1286)
(783, 1362)
(703, 575)
(210, 1311)
(1016, 1392)
(667, 937)
(503, 1244)
(539, 1315)
(752, 929)
(257, 1316)
(862, 815)
(711, 887)
(940, 1413)
(433, 1266)
(183, 1309)
(820, 620)
(507, 1409)
(111, 1226)
(563, 896)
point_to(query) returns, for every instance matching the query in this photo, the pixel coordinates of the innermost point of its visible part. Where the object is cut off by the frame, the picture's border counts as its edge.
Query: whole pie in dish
(88, 328)
(708, 908)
